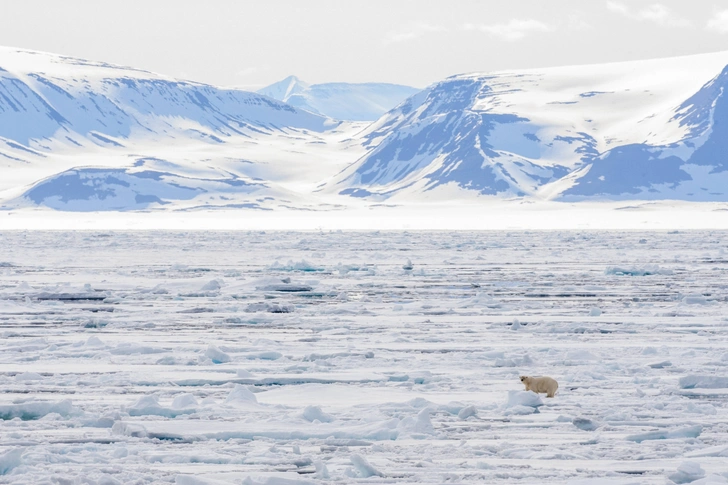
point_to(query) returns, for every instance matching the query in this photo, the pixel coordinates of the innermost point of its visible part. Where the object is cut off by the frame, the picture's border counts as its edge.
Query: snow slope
(341, 101)
(636, 130)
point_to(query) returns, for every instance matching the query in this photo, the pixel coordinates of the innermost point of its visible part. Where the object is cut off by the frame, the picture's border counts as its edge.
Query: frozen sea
(363, 357)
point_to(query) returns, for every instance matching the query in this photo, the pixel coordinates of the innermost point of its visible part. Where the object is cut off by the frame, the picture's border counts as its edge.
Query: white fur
(540, 385)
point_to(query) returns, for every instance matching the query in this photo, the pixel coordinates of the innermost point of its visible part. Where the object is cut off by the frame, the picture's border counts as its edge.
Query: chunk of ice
(120, 428)
(581, 355)
(28, 376)
(520, 410)
(363, 467)
(663, 434)
(703, 382)
(149, 406)
(312, 413)
(523, 398)
(31, 410)
(241, 394)
(216, 355)
(695, 300)
(185, 400)
(10, 459)
(585, 424)
(467, 412)
(213, 285)
(647, 270)
(687, 472)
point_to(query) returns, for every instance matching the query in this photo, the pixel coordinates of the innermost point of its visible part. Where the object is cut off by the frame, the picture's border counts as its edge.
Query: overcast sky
(252, 43)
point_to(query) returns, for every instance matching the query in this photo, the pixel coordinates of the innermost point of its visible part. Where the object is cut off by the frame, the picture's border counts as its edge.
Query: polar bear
(540, 384)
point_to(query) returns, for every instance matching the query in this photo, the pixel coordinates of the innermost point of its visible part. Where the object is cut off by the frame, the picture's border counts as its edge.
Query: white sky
(252, 43)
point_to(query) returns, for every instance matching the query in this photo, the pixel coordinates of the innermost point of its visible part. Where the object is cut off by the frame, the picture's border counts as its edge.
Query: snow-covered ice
(162, 357)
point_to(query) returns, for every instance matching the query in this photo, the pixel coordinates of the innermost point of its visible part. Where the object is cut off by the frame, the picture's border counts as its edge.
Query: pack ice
(159, 357)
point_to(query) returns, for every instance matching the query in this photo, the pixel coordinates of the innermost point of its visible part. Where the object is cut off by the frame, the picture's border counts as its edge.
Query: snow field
(163, 357)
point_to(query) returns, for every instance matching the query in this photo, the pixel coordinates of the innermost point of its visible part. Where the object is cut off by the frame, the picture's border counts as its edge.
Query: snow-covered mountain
(282, 90)
(79, 135)
(83, 135)
(636, 130)
(45, 96)
(341, 101)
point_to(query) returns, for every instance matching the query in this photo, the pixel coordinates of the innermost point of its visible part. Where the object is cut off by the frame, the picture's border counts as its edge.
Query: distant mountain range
(80, 135)
(341, 101)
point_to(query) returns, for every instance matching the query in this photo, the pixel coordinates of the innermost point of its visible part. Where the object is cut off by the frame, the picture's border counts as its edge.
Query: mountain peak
(341, 101)
(284, 89)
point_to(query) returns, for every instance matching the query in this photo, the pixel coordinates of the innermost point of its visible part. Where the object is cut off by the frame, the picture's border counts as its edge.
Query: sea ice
(424, 394)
